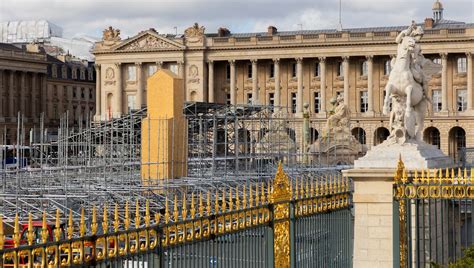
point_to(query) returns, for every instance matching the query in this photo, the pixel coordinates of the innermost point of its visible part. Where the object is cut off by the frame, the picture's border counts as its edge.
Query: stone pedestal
(373, 177)
(373, 221)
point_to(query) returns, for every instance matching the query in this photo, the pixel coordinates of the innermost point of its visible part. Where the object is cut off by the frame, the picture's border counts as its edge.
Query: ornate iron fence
(287, 223)
(434, 210)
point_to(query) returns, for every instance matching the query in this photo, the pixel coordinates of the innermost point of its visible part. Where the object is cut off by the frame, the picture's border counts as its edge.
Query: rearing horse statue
(410, 102)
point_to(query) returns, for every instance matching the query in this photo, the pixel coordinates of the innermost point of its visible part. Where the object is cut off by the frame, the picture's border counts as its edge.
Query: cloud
(92, 16)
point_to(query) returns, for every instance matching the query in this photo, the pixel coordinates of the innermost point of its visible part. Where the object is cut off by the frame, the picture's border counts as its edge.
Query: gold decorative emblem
(194, 33)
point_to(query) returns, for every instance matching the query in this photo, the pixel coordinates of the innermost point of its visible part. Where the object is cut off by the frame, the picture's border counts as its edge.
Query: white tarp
(28, 31)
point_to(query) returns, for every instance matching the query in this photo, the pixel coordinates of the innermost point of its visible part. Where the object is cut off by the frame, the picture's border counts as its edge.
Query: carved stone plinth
(415, 155)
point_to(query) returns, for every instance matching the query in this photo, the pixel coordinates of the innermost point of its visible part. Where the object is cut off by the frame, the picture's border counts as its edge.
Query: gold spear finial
(231, 200)
(175, 209)
(70, 226)
(137, 214)
(201, 206)
(2, 233)
(216, 204)
(57, 229)
(244, 197)
(147, 213)
(94, 224)
(184, 207)
(208, 205)
(82, 225)
(167, 211)
(126, 221)
(116, 218)
(224, 203)
(105, 220)
(16, 232)
(30, 235)
(192, 209)
(44, 229)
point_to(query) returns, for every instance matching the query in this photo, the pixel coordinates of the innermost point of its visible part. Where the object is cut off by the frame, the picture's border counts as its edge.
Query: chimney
(272, 30)
(222, 32)
(32, 47)
(429, 23)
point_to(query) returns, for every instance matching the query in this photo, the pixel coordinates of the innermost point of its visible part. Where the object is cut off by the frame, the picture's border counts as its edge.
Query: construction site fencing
(286, 222)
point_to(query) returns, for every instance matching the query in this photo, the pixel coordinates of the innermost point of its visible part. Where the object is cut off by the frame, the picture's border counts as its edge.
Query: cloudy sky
(90, 17)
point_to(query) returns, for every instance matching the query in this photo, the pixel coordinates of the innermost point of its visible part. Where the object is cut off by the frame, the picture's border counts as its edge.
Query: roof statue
(194, 33)
(407, 87)
(110, 36)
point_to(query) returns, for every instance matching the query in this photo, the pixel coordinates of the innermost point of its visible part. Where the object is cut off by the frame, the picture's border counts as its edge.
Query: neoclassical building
(32, 83)
(295, 67)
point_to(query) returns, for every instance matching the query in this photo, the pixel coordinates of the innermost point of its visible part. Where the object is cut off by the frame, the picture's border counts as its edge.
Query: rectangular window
(74, 94)
(387, 67)
(131, 73)
(293, 102)
(152, 69)
(437, 61)
(227, 101)
(340, 69)
(90, 74)
(317, 102)
(227, 72)
(249, 98)
(174, 68)
(272, 71)
(271, 100)
(249, 71)
(130, 102)
(316, 70)
(364, 101)
(436, 100)
(83, 74)
(462, 65)
(293, 70)
(364, 68)
(461, 100)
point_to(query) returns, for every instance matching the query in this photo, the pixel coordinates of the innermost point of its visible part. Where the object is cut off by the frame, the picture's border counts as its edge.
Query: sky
(90, 17)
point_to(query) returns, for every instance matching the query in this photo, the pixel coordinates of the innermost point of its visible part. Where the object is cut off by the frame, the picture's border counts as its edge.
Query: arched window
(457, 141)
(380, 135)
(359, 134)
(431, 136)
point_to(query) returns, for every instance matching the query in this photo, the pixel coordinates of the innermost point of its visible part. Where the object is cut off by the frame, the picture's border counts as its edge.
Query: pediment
(149, 41)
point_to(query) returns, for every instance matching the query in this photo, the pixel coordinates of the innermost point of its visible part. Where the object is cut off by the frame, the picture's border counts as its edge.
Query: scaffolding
(98, 163)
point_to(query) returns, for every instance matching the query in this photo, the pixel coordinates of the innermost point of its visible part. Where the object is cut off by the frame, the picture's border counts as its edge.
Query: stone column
(34, 94)
(276, 74)
(233, 95)
(118, 92)
(98, 86)
(181, 69)
(299, 95)
(254, 82)
(444, 82)
(11, 95)
(139, 96)
(322, 72)
(210, 83)
(469, 81)
(22, 98)
(346, 79)
(44, 95)
(370, 83)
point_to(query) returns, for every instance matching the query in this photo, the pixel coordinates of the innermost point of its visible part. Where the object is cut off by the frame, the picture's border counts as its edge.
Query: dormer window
(74, 73)
(54, 71)
(64, 72)
(83, 74)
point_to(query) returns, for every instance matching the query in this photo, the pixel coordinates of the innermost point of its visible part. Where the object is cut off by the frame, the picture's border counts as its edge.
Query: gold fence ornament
(2, 233)
(57, 229)
(280, 197)
(137, 214)
(257, 196)
(157, 218)
(224, 203)
(44, 229)
(184, 207)
(82, 223)
(440, 176)
(16, 232)
(116, 218)
(208, 204)
(30, 234)
(192, 209)
(94, 225)
(216, 204)
(250, 196)
(201, 205)
(105, 220)
(416, 179)
(147, 214)
(167, 211)
(262, 193)
(126, 221)
(175, 209)
(399, 170)
(70, 226)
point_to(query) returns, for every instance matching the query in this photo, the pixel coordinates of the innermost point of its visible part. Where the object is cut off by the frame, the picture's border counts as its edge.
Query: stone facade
(29, 86)
(289, 69)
